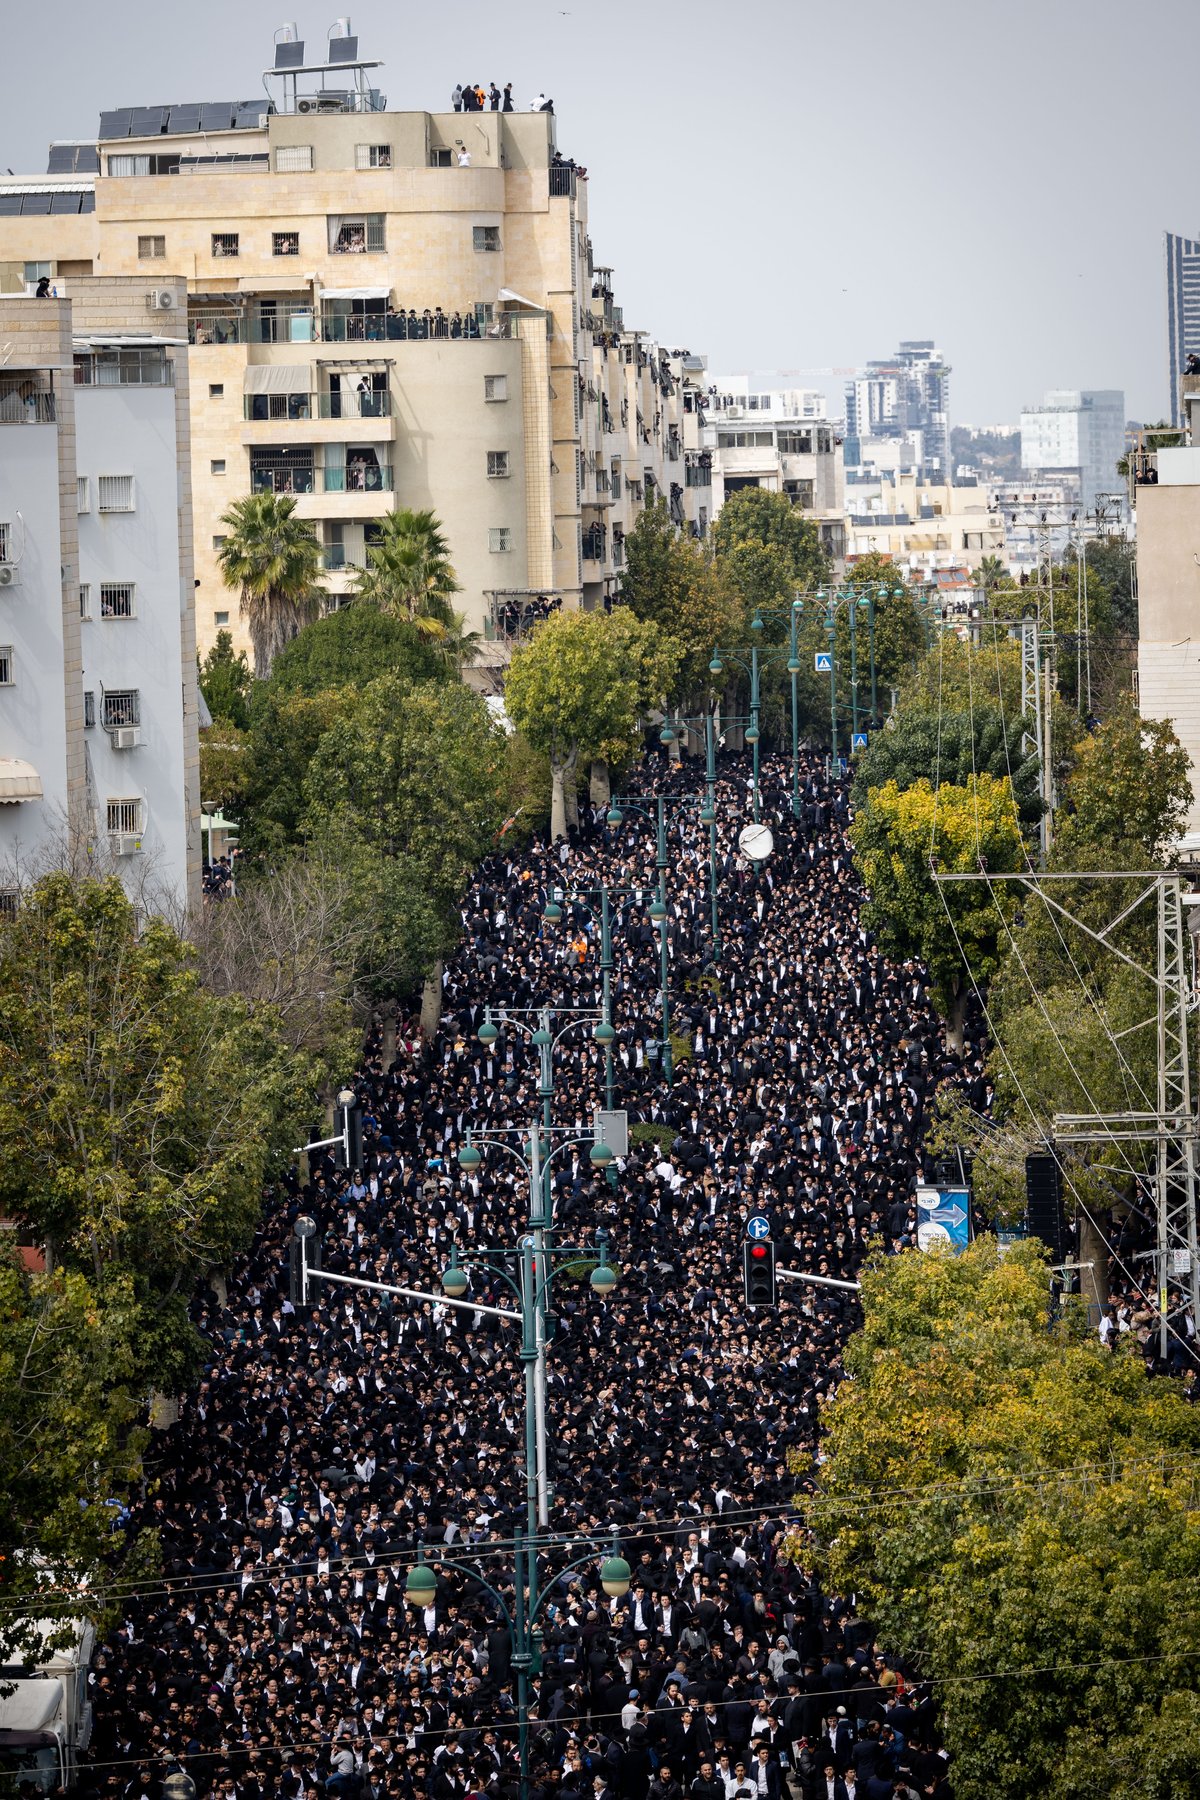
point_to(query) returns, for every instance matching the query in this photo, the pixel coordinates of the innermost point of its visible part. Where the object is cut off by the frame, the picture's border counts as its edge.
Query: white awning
(18, 781)
(509, 294)
(363, 293)
(278, 378)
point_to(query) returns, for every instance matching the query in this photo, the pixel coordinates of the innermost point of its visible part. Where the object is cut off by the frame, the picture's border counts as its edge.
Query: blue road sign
(758, 1227)
(943, 1216)
(859, 741)
(823, 662)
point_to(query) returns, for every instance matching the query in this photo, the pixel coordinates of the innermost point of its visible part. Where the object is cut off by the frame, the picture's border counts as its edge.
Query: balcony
(305, 407)
(125, 368)
(355, 478)
(562, 180)
(22, 402)
(697, 472)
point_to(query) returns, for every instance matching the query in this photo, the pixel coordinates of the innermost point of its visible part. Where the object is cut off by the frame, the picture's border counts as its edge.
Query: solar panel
(148, 121)
(87, 159)
(62, 160)
(343, 50)
(116, 124)
(10, 206)
(88, 203)
(184, 118)
(250, 114)
(289, 56)
(216, 115)
(35, 203)
(64, 203)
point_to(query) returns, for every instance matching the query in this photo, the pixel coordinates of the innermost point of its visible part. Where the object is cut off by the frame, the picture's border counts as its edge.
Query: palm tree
(409, 573)
(991, 573)
(275, 560)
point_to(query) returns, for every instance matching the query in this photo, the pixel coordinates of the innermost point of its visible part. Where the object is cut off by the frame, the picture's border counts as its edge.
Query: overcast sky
(777, 184)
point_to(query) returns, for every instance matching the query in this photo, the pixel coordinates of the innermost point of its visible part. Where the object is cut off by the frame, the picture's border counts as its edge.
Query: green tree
(272, 557)
(287, 728)
(225, 682)
(752, 515)
(409, 573)
(954, 746)
(570, 691)
(1128, 793)
(411, 785)
(674, 583)
(70, 1444)
(1013, 1505)
(349, 648)
(955, 928)
(138, 1113)
(224, 767)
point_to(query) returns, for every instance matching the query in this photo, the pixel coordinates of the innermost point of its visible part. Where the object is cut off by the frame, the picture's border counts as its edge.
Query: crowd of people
(322, 1448)
(472, 96)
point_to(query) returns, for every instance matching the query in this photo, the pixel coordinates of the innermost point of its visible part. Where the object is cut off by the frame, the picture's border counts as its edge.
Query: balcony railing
(355, 478)
(375, 405)
(562, 181)
(695, 475)
(125, 368)
(334, 559)
(35, 407)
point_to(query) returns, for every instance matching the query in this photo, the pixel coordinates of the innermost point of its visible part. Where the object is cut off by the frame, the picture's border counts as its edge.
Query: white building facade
(1080, 430)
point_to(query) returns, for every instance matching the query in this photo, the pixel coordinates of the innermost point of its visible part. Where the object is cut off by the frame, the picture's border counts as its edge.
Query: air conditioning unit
(125, 844)
(127, 737)
(10, 575)
(164, 300)
(308, 106)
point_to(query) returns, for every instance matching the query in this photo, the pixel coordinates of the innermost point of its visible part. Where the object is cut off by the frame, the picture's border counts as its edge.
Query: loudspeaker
(1043, 1203)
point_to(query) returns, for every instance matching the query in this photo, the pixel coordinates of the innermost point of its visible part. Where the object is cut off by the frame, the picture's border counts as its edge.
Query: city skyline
(775, 203)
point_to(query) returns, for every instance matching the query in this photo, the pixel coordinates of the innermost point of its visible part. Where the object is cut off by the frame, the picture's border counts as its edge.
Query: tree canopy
(225, 682)
(272, 557)
(674, 583)
(349, 648)
(1013, 1506)
(953, 746)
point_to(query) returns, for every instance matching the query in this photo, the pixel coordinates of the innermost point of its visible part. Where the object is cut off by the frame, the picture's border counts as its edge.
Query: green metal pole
(871, 630)
(529, 1356)
(522, 1659)
(664, 965)
(853, 668)
(754, 705)
(793, 659)
(831, 628)
(606, 965)
(710, 778)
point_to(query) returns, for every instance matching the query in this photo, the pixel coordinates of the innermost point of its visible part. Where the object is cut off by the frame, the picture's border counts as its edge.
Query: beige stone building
(384, 310)
(924, 527)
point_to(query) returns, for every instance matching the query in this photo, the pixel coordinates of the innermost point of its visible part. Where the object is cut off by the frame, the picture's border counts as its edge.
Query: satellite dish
(756, 842)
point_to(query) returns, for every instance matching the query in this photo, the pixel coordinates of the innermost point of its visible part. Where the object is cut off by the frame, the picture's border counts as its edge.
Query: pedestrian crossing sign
(823, 662)
(859, 741)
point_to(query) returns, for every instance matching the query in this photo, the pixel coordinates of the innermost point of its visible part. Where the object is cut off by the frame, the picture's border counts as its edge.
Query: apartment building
(98, 707)
(778, 448)
(924, 527)
(1166, 495)
(1080, 432)
(384, 310)
(907, 396)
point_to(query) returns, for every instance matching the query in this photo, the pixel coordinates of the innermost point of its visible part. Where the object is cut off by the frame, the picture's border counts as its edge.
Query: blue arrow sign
(823, 662)
(859, 741)
(758, 1227)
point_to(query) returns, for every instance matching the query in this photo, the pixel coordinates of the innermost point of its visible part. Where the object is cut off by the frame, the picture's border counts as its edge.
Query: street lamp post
(747, 660)
(708, 812)
(552, 914)
(658, 911)
(420, 1589)
(792, 614)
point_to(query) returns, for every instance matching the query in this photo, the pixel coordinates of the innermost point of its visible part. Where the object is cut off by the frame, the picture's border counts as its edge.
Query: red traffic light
(758, 1251)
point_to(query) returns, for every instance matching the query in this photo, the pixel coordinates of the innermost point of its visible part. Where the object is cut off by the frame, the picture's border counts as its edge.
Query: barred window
(115, 493)
(485, 237)
(495, 387)
(6, 665)
(116, 599)
(293, 159)
(224, 243)
(122, 706)
(497, 464)
(83, 494)
(499, 539)
(124, 817)
(285, 243)
(151, 249)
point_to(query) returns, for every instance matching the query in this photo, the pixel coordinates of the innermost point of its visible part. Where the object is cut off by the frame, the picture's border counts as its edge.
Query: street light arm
(437, 1561)
(382, 1287)
(596, 1550)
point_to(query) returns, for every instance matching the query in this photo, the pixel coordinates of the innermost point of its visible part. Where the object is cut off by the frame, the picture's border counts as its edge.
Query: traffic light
(758, 1272)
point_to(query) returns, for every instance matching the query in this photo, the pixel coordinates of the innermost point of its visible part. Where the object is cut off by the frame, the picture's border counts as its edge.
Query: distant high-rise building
(1183, 309)
(906, 396)
(1083, 431)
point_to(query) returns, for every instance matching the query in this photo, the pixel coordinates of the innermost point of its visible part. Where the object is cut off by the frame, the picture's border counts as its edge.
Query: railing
(259, 407)
(356, 478)
(594, 544)
(696, 476)
(359, 240)
(334, 559)
(121, 709)
(302, 325)
(124, 368)
(34, 408)
(562, 181)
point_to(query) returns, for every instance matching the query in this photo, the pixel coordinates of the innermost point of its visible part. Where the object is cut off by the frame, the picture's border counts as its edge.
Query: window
(85, 599)
(221, 618)
(285, 243)
(124, 817)
(122, 706)
(116, 493)
(351, 234)
(293, 159)
(216, 390)
(485, 237)
(6, 665)
(83, 494)
(89, 710)
(152, 249)
(217, 466)
(116, 599)
(372, 156)
(499, 539)
(224, 243)
(129, 165)
(441, 159)
(5, 540)
(34, 271)
(10, 902)
(218, 542)
(495, 387)
(497, 464)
